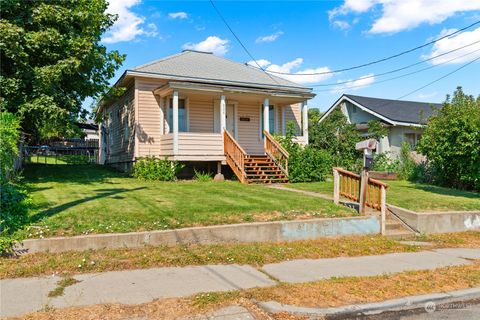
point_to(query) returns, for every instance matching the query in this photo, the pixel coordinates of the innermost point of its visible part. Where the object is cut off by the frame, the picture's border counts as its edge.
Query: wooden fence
(349, 185)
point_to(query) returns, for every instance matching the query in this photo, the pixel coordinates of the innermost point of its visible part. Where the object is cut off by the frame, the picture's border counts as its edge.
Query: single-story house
(197, 107)
(405, 120)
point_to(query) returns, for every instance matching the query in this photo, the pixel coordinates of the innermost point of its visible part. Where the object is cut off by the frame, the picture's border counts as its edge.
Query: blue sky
(312, 36)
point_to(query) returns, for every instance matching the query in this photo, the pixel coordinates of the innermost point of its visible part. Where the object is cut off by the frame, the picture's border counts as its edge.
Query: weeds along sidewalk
(23, 295)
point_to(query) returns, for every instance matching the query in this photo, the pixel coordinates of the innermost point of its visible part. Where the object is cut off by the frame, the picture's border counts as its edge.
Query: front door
(230, 123)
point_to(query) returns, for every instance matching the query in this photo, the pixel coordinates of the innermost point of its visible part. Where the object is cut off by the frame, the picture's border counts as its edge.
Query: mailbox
(367, 146)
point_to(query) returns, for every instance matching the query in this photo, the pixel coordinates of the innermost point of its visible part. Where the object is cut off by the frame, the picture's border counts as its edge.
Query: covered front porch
(193, 119)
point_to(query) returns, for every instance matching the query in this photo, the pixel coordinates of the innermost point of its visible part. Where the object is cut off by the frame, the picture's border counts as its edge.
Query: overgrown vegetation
(338, 138)
(201, 176)
(307, 163)
(451, 142)
(13, 197)
(151, 168)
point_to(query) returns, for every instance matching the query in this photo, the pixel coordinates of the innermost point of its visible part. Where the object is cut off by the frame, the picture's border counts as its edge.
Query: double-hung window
(271, 119)
(182, 116)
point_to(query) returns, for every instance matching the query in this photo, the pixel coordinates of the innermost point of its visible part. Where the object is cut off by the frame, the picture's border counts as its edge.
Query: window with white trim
(182, 115)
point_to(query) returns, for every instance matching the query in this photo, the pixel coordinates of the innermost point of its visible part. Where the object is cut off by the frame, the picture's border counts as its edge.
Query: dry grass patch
(255, 254)
(351, 290)
(470, 239)
(325, 293)
(166, 309)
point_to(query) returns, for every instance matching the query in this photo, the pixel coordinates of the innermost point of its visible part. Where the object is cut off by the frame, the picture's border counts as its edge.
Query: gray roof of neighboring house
(398, 110)
(197, 66)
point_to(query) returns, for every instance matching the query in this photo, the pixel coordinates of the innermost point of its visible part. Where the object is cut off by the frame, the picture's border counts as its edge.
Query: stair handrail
(276, 152)
(235, 155)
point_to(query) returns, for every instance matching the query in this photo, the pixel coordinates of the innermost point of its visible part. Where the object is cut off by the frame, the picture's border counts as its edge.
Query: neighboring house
(179, 107)
(405, 120)
(89, 128)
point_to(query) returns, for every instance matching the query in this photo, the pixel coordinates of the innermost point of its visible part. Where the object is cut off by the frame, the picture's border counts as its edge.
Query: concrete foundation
(245, 232)
(438, 222)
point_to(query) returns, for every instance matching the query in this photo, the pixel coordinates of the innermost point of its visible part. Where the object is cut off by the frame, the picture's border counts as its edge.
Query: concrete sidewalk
(20, 296)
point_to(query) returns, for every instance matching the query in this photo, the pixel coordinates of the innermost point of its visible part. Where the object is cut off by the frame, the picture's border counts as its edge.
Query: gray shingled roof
(196, 65)
(398, 110)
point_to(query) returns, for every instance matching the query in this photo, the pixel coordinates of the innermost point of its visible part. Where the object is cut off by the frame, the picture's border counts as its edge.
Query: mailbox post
(367, 147)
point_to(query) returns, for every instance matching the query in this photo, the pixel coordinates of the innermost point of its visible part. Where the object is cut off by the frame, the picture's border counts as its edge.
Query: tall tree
(451, 142)
(52, 59)
(337, 136)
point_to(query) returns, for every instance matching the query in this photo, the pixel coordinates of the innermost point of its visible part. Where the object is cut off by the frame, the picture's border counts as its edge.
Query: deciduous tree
(52, 59)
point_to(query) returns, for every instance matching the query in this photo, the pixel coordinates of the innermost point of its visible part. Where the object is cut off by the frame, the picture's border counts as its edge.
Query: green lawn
(79, 199)
(414, 196)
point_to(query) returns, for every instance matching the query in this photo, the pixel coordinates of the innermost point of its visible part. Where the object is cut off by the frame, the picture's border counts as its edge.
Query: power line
(379, 60)
(396, 70)
(402, 75)
(438, 79)
(239, 41)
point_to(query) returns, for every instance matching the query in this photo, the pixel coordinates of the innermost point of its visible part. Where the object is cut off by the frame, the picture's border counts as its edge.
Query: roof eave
(216, 81)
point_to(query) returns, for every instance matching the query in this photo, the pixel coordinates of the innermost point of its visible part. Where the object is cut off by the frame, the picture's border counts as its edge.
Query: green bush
(9, 136)
(407, 166)
(309, 164)
(202, 176)
(383, 162)
(14, 203)
(151, 168)
(451, 142)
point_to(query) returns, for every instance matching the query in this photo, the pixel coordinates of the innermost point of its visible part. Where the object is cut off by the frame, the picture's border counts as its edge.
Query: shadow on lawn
(445, 191)
(102, 193)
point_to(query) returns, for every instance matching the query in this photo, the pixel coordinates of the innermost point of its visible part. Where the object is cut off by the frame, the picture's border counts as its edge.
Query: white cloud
(424, 96)
(262, 63)
(361, 82)
(303, 76)
(450, 43)
(178, 15)
(269, 38)
(212, 44)
(128, 25)
(398, 15)
(341, 24)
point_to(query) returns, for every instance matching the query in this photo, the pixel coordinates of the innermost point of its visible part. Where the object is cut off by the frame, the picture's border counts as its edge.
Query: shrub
(202, 176)
(14, 203)
(451, 142)
(383, 162)
(338, 137)
(151, 168)
(9, 136)
(406, 166)
(309, 164)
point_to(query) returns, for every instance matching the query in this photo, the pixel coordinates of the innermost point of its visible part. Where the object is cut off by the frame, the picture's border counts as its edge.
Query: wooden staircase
(262, 169)
(269, 168)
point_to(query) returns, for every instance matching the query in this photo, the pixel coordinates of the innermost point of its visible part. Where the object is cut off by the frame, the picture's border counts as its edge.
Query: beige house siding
(200, 115)
(120, 123)
(294, 113)
(148, 119)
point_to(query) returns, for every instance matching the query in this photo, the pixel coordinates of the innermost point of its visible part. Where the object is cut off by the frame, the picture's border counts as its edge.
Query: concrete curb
(402, 304)
(244, 232)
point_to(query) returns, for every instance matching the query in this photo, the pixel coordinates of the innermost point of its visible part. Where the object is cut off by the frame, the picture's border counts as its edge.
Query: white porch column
(305, 121)
(223, 114)
(266, 113)
(175, 122)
